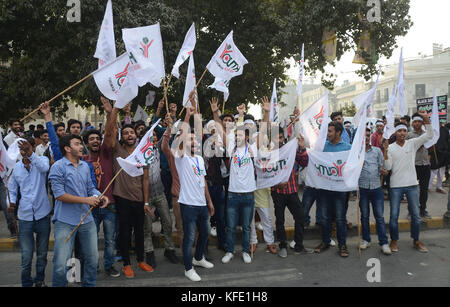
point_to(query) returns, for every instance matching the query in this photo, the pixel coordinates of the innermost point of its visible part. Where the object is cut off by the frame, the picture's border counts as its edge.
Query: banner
(191, 82)
(324, 171)
(186, 50)
(401, 87)
(275, 167)
(427, 105)
(312, 118)
(142, 156)
(274, 110)
(435, 123)
(106, 43)
(144, 46)
(228, 61)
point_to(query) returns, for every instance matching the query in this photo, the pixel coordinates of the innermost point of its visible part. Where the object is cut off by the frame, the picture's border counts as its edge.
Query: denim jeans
(448, 203)
(159, 203)
(376, 197)
(328, 202)
(27, 229)
(412, 195)
(194, 217)
(308, 198)
(4, 206)
(218, 199)
(239, 205)
(63, 252)
(108, 218)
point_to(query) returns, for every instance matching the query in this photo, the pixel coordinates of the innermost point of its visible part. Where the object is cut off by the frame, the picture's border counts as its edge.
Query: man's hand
(384, 172)
(104, 202)
(26, 147)
(11, 208)
(301, 142)
(210, 209)
(169, 121)
(106, 104)
(92, 201)
(265, 104)
(161, 104)
(127, 109)
(192, 98)
(214, 104)
(425, 116)
(241, 110)
(190, 111)
(296, 113)
(45, 109)
(149, 211)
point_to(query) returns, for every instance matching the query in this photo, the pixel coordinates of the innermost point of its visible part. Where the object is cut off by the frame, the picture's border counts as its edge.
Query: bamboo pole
(195, 88)
(87, 214)
(61, 93)
(166, 88)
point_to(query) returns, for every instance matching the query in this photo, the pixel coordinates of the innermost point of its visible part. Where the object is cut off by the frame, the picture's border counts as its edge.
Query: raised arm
(110, 127)
(428, 135)
(54, 143)
(264, 123)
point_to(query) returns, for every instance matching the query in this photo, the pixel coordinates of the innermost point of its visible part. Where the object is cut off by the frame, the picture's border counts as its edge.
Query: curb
(12, 245)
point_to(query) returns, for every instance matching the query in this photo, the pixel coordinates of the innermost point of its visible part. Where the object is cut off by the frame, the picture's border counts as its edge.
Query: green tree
(42, 53)
(349, 111)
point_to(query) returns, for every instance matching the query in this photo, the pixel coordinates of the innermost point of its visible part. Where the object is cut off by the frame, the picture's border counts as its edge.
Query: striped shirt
(301, 158)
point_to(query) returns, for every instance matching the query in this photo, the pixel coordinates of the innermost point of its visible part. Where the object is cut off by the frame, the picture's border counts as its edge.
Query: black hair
(72, 122)
(407, 118)
(347, 122)
(88, 124)
(30, 140)
(139, 123)
(88, 133)
(39, 126)
(12, 121)
(65, 141)
(368, 130)
(335, 114)
(227, 115)
(43, 132)
(60, 124)
(337, 126)
(249, 116)
(127, 126)
(37, 134)
(416, 115)
(31, 127)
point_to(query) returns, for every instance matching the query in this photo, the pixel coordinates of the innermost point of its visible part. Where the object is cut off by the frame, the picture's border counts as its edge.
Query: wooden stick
(223, 106)
(435, 154)
(166, 88)
(87, 214)
(195, 88)
(251, 234)
(359, 222)
(66, 90)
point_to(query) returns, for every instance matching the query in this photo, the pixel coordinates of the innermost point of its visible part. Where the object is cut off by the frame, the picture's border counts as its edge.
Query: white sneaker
(332, 243)
(246, 257)
(386, 249)
(192, 275)
(214, 231)
(364, 244)
(227, 258)
(203, 263)
(292, 244)
(259, 226)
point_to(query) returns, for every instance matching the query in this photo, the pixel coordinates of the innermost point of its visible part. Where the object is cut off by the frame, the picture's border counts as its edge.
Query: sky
(430, 25)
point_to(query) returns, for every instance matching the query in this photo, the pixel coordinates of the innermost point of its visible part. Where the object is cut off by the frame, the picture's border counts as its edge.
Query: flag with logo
(145, 48)
(401, 86)
(434, 122)
(186, 50)
(312, 119)
(301, 73)
(274, 110)
(142, 156)
(191, 81)
(275, 167)
(106, 43)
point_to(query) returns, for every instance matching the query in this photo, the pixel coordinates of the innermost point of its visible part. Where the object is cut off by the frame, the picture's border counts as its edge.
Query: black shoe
(303, 250)
(150, 259)
(40, 284)
(170, 254)
(112, 272)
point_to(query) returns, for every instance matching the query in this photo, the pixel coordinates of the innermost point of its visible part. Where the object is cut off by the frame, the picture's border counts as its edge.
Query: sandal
(272, 249)
(343, 251)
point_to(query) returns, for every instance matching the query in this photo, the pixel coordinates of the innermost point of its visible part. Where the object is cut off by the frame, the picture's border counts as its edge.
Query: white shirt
(242, 171)
(10, 138)
(192, 172)
(41, 148)
(401, 160)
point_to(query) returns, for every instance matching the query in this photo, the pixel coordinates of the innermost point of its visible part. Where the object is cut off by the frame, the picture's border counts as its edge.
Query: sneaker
(227, 258)
(420, 247)
(304, 251)
(112, 272)
(442, 191)
(322, 247)
(40, 284)
(332, 243)
(203, 263)
(364, 244)
(282, 252)
(343, 251)
(292, 244)
(128, 271)
(259, 226)
(150, 259)
(386, 249)
(425, 215)
(145, 267)
(170, 254)
(246, 257)
(393, 245)
(272, 248)
(192, 275)
(214, 231)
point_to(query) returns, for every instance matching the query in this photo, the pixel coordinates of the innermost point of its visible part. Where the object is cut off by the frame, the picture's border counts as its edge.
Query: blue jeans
(376, 197)
(27, 229)
(412, 195)
(329, 201)
(63, 252)
(308, 198)
(239, 205)
(109, 230)
(194, 216)
(218, 199)
(448, 204)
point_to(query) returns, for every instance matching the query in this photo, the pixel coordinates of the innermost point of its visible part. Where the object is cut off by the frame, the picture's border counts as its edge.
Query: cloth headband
(401, 127)
(417, 118)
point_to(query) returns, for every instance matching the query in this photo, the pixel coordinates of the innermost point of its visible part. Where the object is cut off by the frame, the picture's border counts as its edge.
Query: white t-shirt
(41, 148)
(192, 172)
(242, 171)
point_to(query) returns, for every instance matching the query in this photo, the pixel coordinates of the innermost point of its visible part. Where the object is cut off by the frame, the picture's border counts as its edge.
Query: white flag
(390, 119)
(142, 156)
(312, 120)
(110, 77)
(140, 114)
(275, 167)
(186, 50)
(106, 43)
(401, 86)
(273, 117)
(150, 98)
(301, 73)
(127, 92)
(228, 61)
(221, 85)
(434, 123)
(6, 163)
(144, 46)
(191, 81)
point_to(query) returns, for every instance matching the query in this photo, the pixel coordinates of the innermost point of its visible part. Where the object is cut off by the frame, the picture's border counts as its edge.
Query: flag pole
(166, 88)
(87, 214)
(223, 105)
(195, 88)
(359, 222)
(435, 154)
(63, 92)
